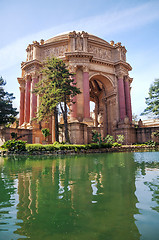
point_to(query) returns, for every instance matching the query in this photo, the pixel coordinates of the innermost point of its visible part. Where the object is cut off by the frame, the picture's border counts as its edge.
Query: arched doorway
(102, 94)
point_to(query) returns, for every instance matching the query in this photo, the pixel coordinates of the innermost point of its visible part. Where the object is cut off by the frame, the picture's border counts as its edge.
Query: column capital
(34, 75)
(73, 68)
(21, 82)
(120, 75)
(28, 77)
(85, 68)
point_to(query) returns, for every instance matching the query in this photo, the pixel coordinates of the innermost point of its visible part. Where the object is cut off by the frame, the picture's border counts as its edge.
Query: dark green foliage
(14, 145)
(116, 144)
(7, 112)
(45, 132)
(14, 135)
(153, 100)
(120, 139)
(97, 139)
(39, 147)
(151, 143)
(109, 139)
(156, 134)
(53, 147)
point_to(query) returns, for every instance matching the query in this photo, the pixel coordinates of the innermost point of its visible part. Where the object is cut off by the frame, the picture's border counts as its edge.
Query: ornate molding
(34, 75)
(85, 68)
(21, 82)
(72, 68)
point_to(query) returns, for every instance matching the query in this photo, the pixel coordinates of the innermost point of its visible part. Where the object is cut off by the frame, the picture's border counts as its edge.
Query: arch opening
(101, 90)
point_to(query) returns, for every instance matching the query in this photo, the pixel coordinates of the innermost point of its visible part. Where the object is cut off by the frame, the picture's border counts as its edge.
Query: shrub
(151, 143)
(35, 147)
(45, 132)
(109, 139)
(14, 145)
(106, 145)
(13, 135)
(116, 144)
(96, 137)
(120, 139)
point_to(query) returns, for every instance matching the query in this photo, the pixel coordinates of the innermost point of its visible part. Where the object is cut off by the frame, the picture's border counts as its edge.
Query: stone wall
(145, 134)
(5, 134)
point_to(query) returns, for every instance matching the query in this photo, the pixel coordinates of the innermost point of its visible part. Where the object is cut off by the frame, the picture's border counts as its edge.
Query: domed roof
(65, 36)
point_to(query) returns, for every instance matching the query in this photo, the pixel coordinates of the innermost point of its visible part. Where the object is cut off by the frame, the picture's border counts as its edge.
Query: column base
(88, 121)
(73, 119)
(26, 126)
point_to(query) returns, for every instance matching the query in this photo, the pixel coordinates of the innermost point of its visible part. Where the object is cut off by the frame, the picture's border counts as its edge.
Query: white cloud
(105, 24)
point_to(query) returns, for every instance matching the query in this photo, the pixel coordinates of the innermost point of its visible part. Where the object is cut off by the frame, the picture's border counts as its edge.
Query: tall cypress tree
(7, 112)
(152, 100)
(57, 87)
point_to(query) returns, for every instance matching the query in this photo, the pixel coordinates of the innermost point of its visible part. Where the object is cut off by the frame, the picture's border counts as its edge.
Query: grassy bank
(20, 147)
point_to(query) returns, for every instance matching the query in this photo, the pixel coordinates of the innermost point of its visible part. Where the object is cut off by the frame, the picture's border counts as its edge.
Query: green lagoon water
(113, 196)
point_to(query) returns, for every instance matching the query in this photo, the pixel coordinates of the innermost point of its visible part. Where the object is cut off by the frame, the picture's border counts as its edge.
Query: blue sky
(135, 23)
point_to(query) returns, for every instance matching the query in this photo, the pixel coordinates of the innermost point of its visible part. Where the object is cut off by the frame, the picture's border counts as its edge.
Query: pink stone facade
(100, 71)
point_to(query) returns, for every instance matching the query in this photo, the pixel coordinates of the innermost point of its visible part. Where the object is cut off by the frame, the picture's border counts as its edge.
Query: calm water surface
(111, 196)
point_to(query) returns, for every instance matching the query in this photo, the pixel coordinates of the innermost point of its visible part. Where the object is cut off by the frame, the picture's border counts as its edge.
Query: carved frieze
(103, 53)
(54, 51)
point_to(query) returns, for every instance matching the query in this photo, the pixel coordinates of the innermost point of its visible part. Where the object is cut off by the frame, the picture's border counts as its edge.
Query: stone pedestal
(125, 128)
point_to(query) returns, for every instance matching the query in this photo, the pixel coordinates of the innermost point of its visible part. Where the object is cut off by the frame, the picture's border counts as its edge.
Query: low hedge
(55, 147)
(18, 146)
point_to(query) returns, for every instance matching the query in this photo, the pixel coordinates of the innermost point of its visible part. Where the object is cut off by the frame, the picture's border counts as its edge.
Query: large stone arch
(102, 93)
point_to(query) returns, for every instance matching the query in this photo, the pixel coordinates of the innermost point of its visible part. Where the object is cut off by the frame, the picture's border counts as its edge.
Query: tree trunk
(56, 125)
(64, 112)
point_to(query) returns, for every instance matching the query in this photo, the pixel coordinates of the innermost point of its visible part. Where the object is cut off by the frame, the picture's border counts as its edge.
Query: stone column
(33, 97)
(27, 100)
(121, 97)
(22, 100)
(73, 107)
(86, 93)
(128, 98)
(105, 117)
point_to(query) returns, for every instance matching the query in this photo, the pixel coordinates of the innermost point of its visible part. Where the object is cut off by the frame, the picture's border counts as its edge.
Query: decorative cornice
(124, 64)
(101, 61)
(21, 82)
(35, 62)
(78, 55)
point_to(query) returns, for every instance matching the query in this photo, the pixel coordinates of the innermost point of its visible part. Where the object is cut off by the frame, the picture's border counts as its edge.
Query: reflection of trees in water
(154, 187)
(7, 191)
(89, 197)
(152, 165)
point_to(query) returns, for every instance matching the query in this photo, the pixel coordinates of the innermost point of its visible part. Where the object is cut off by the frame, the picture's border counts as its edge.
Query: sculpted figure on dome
(79, 42)
(123, 54)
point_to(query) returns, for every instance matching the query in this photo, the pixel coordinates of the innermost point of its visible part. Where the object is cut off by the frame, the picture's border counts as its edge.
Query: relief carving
(100, 52)
(29, 53)
(55, 51)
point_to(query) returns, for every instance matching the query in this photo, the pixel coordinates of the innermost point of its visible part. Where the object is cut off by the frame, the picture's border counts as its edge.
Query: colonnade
(28, 100)
(81, 109)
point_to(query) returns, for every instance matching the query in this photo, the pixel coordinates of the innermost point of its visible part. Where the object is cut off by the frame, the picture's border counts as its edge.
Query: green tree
(45, 132)
(57, 87)
(152, 100)
(7, 112)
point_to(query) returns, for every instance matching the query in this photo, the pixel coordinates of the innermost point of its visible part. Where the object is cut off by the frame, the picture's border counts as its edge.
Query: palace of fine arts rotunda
(102, 74)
